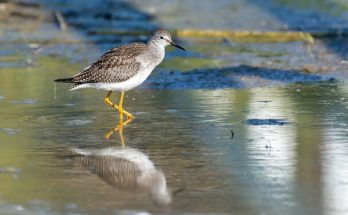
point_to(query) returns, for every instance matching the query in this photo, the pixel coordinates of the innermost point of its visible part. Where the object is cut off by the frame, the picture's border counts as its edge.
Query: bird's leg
(128, 120)
(111, 132)
(109, 102)
(121, 111)
(120, 108)
(119, 129)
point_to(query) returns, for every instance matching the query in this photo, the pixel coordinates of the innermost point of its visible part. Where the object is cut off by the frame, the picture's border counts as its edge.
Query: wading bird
(123, 68)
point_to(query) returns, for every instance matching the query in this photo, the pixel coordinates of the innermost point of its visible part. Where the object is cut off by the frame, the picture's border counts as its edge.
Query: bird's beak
(177, 46)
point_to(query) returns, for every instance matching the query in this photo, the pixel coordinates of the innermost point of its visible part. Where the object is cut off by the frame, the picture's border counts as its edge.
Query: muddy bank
(233, 77)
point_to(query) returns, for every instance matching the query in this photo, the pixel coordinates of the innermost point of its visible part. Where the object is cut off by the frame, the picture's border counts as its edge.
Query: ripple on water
(138, 113)
(24, 101)
(14, 171)
(78, 122)
(171, 110)
(10, 169)
(9, 131)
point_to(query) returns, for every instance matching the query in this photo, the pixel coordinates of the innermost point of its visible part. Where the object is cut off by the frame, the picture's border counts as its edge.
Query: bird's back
(125, 52)
(117, 65)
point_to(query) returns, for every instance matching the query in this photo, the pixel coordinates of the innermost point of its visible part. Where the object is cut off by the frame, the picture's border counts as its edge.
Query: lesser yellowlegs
(123, 68)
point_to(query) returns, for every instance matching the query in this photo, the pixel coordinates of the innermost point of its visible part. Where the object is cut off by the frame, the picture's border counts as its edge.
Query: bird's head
(163, 38)
(158, 188)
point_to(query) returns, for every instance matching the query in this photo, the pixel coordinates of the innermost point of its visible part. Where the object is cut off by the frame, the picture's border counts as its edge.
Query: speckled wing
(117, 65)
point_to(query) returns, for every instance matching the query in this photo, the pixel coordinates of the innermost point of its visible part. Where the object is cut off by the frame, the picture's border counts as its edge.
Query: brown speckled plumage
(117, 65)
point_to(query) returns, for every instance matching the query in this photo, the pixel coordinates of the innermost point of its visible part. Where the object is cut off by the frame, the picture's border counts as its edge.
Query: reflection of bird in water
(126, 169)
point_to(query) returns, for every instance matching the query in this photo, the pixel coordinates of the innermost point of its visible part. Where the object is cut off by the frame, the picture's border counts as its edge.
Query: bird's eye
(161, 37)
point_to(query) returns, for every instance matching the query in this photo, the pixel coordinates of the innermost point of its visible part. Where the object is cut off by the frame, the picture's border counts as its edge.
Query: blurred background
(252, 119)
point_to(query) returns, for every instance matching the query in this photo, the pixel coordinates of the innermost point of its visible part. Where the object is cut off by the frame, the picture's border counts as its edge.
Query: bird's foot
(129, 116)
(111, 132)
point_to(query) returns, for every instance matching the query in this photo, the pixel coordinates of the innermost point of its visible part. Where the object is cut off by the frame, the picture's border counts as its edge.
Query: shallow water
(297, 167)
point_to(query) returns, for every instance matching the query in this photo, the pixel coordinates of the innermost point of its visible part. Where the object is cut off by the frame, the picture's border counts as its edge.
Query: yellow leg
(120, 110)
(119, 129)
(107, 101)
(111, 132)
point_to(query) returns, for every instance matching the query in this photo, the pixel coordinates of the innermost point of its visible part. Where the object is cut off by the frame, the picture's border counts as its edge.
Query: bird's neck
(153, 44)
(156, 50)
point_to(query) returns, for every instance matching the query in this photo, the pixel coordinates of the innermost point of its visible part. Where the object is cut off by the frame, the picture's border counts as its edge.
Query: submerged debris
(60, 21)
(266, 122)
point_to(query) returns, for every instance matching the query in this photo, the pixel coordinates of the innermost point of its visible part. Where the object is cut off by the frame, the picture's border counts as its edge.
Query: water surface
(297, 167)
(225, 128)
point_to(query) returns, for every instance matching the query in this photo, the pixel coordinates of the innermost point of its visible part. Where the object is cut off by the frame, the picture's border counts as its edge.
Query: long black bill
(179, 47)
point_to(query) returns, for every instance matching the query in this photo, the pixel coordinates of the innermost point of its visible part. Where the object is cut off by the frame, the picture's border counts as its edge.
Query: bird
(123, 68)
(126, 169)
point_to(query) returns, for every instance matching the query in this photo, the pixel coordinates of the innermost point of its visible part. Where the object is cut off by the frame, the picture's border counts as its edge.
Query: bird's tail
(65, 80)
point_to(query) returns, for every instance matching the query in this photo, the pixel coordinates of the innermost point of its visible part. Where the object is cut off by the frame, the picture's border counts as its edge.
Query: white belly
(121, 86)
